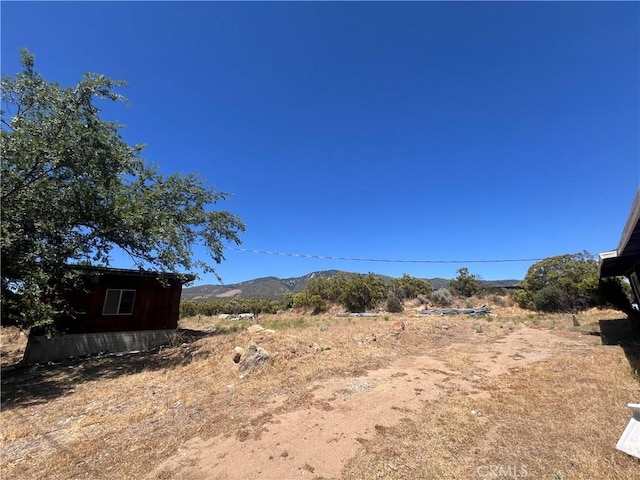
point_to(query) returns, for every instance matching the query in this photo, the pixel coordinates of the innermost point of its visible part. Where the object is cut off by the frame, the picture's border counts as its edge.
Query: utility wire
(381, 260)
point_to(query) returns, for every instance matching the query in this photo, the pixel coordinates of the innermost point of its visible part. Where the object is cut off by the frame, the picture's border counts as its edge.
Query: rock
(317, 348)
(253, 356)
(237, 354)
(257, 328)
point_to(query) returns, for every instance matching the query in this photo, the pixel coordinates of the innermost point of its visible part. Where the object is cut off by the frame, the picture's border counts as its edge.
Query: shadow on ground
(40, 383)
(626, 334)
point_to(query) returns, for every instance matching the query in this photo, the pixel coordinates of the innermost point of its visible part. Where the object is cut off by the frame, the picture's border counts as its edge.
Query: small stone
(237, 354)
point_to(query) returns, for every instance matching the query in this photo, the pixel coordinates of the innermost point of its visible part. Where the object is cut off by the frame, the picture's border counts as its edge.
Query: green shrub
(548, 299)
(424, 300)
(188, 308)
(216, 306)
(465, 284)
(409, 287)
(394, 305)
(442, 297)
(359, 293)
(315, 302)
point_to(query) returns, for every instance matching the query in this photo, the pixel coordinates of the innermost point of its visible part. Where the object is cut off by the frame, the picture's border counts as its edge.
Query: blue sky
(400, 131)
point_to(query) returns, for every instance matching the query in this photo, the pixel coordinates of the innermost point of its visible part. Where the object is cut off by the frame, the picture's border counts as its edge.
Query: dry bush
(13, 341)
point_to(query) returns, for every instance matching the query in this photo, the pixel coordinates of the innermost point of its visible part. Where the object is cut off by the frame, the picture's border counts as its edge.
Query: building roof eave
(181, 277)
(622, 260)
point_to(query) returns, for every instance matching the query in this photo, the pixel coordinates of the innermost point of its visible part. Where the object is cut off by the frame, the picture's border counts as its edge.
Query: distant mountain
(266, 287)
(273, 287)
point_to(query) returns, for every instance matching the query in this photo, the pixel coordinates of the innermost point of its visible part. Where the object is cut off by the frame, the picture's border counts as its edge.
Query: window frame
(118, 312)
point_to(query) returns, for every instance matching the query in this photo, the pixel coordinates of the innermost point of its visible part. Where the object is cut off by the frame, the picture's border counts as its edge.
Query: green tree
(315, 302)
(73, 191)
(465, 284)
(326, 288)
(410, 287)
(359, 292)
(563, 283)
(188, 308)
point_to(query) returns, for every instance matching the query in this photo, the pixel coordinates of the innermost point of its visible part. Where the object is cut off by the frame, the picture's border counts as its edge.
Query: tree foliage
(359, 293)
(394, 305)
(73, 191)
(442, 297)
(465, 284)
(566, 283)
(410, 287)
(234, 306)
(355, 291)
(306, 300)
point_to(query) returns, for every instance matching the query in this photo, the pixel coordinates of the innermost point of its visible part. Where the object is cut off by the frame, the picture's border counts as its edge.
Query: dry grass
(118, 417)
(553, 421)
(12, 344)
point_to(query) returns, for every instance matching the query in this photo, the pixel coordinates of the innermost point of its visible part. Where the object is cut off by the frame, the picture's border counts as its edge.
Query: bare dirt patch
(338, 398)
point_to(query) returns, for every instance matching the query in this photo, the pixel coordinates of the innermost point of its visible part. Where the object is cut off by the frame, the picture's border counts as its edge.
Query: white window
(118, 302)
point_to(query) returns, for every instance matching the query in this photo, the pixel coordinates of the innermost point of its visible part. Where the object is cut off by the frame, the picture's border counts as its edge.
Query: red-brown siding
(156, 305)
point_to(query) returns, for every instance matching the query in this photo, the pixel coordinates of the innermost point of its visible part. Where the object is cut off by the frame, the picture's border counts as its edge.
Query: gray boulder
(253, 357)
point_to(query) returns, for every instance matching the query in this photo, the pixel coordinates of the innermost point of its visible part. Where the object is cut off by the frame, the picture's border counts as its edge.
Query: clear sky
(396, 131)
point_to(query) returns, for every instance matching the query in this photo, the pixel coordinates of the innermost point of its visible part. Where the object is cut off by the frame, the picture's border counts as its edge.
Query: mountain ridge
(273, 287)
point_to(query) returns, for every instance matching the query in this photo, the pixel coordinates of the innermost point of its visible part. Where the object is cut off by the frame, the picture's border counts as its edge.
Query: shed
(112, 310)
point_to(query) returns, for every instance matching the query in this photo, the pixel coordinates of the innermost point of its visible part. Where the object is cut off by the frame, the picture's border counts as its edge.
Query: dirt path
(316, 442)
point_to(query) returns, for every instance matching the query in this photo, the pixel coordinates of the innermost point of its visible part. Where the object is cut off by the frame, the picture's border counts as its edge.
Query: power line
(381, 260)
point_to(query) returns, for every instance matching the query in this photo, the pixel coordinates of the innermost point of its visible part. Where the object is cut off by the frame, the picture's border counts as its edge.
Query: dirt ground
(393, 397)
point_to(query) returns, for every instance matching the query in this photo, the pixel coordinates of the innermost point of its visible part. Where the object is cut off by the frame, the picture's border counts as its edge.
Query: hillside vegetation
(273, 287)
(566, 283)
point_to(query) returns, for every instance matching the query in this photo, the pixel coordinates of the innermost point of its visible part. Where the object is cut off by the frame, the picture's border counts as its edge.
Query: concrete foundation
(42, 349)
